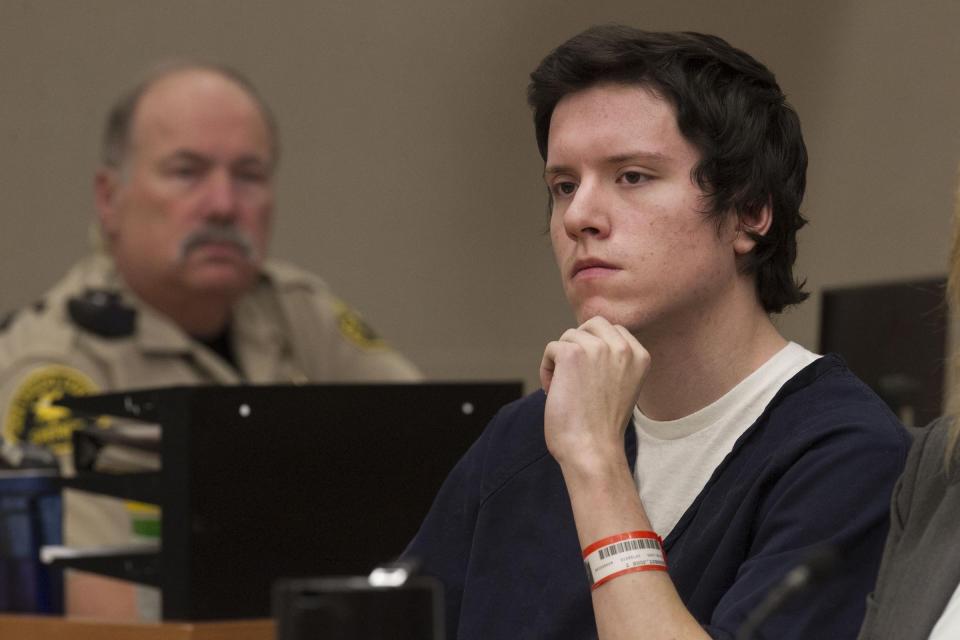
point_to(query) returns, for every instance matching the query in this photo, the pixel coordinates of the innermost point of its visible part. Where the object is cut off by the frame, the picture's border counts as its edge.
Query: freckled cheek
(561, 245)
(677, 233)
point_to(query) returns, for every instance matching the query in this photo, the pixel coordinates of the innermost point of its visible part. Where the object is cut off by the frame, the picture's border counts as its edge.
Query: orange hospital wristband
(623, 553)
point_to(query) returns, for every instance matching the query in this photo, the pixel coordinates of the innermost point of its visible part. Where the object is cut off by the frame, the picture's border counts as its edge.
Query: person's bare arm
(592, 377)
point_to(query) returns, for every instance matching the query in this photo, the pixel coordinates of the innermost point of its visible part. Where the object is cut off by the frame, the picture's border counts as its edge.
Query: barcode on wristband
(606, 562)
(628, 545)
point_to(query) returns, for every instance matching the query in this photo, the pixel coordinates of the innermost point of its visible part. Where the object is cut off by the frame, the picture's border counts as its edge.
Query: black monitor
(264, 482)
(894, 337)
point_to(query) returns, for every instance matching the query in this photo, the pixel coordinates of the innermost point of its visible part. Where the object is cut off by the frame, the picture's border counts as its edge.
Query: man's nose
(220, 195)
(587, 214)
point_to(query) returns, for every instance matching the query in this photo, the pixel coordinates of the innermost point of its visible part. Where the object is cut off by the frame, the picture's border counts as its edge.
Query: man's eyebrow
(193, 156)
(652, 157)
(555, 169)
(251, 160)
(185, 154)
(637, 156)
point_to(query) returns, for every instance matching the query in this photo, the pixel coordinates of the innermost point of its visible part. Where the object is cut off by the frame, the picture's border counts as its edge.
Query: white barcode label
(634, 544)
(622, 556)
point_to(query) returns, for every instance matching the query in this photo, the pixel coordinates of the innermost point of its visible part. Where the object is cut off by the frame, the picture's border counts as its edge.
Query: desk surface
(24, 627)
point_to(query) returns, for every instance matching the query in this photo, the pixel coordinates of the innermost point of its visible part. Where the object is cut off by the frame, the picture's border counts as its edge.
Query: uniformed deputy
(181, 292)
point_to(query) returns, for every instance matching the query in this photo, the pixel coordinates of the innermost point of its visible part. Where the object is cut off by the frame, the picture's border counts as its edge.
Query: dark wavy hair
(728, 106)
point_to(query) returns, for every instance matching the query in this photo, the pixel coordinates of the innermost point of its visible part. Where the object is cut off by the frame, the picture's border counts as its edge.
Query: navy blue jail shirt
(817, 467)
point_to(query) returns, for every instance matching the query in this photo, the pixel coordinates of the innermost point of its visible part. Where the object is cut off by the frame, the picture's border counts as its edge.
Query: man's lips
(591, 267)
(220, 251)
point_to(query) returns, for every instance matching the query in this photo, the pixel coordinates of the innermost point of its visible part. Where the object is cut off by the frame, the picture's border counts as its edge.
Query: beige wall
(410, 178)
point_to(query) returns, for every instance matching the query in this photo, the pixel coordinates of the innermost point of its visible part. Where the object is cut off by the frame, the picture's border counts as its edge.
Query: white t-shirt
(676, 458)
(948, 625)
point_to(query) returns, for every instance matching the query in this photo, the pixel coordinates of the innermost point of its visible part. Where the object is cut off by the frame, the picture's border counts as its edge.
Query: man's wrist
(623, 553)
(596, 469)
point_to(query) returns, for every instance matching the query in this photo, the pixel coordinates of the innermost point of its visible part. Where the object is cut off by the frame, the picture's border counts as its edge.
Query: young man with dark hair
(682, 451)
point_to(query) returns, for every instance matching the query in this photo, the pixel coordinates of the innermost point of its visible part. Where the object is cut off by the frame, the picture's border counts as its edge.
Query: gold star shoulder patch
(32, 414)
(355, 330)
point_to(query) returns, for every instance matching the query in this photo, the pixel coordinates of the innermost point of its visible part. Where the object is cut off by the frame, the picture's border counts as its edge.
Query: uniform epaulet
(7, 319)
(102, 313)
(284, 275)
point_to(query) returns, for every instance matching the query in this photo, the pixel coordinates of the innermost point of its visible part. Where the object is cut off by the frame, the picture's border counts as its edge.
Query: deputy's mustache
(217, 234)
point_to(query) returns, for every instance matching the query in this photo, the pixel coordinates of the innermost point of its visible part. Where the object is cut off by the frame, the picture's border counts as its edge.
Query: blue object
(30, 517)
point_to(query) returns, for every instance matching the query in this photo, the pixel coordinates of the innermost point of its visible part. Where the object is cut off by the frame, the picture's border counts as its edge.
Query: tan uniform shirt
(91, 334)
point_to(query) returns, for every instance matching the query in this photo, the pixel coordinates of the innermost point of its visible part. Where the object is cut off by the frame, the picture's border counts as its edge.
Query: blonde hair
(953, 301)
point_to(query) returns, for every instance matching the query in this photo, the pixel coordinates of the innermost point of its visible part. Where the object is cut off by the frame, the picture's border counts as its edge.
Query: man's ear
(749, 226)
(106, 189)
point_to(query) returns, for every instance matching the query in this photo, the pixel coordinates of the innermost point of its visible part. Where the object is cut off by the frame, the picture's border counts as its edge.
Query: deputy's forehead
(196, 99)
(191, 84)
